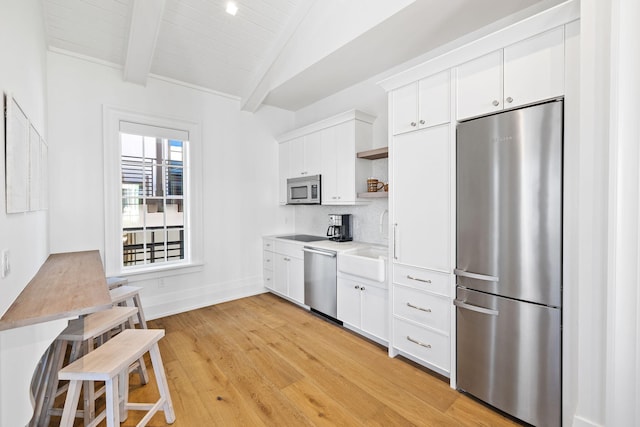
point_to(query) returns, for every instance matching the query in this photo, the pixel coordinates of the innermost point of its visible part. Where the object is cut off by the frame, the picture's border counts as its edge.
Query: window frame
(193, 218)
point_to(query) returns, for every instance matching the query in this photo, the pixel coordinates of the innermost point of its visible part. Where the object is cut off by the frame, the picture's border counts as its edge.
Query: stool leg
(111, 396)
(89, 393)
(138, 304)
(142, 367)
(71, 404)
(163, 386)
(124, 394)
(59, 350)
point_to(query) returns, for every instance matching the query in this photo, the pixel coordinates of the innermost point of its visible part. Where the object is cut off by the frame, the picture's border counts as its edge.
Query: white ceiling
(197, 42)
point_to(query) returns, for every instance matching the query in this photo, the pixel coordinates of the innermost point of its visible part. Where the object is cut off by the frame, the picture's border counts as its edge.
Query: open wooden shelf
(67, 285)
(376, 195)
(375, 154)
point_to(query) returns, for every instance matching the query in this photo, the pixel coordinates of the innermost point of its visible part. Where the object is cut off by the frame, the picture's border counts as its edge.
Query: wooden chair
(81, 334)
(124, 294)
(110, 363)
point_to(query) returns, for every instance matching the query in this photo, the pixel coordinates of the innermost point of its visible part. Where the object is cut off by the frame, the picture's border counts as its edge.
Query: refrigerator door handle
(476, 308)
(470, 275)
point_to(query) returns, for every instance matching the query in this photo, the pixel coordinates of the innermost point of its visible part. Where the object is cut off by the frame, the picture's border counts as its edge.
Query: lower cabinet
(363, 305)
(283, 270)
(421, 317)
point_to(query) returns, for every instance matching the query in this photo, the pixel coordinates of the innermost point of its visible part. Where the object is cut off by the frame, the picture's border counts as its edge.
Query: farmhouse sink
(369, 262)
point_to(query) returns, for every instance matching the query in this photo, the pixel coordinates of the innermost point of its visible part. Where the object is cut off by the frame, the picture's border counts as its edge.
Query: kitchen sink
(369, 262)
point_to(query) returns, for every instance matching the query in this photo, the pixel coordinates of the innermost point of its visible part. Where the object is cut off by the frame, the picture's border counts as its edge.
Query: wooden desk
(67, 285)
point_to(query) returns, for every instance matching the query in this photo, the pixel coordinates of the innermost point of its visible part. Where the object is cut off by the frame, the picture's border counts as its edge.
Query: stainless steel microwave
(304, 190)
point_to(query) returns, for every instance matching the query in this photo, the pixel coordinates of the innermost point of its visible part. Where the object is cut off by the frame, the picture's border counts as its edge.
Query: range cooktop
(303, 237)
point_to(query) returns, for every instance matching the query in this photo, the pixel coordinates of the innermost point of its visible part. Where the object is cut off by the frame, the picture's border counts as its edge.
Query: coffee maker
(340, 226)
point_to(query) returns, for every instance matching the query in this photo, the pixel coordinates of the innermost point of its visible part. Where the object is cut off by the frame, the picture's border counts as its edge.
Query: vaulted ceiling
(252, 56)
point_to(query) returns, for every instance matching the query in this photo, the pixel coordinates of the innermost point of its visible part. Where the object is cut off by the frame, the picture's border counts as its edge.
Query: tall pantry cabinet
(421, 221)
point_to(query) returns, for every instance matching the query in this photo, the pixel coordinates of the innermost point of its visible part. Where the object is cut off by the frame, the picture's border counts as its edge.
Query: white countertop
(328, 244)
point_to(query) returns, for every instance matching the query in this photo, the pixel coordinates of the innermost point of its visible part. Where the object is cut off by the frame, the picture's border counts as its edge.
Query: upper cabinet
(329, 148)
(422, 104)
(522, 73)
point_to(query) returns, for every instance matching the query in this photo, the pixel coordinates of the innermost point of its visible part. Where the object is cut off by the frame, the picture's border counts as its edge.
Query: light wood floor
(262, 361)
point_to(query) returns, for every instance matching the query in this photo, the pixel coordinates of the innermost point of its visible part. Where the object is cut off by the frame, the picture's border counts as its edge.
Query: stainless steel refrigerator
(509, 261)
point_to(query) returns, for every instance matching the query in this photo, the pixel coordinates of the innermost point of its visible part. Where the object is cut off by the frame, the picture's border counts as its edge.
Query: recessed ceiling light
(232, 8)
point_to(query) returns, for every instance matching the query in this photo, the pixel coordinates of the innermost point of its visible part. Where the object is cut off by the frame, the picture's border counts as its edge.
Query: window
(153, 200)
(151, 203)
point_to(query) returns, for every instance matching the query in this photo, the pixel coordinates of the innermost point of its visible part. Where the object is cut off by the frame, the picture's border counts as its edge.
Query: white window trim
(112, 116)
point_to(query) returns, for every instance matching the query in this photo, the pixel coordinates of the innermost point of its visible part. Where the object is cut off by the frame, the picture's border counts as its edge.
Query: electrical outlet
(5, 268)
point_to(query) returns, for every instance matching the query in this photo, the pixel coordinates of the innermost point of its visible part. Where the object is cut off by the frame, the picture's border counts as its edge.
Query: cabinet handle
(418, 279)
(395, 233)
(418, 342)
(268, 280)
(268, 245)
(509, 100)
(428, 310)
(267, 260)
(413, 124)
(495, 103)
(362, 288)
(357, 287)
(421, 122)
(303, 173)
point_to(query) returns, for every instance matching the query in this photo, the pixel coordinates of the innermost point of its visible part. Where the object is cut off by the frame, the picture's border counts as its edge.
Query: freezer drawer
(508, 355)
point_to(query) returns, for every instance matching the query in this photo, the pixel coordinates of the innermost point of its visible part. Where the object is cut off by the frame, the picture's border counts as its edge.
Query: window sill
(156, 272)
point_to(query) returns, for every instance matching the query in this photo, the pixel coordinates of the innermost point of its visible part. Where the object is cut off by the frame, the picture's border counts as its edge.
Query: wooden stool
(110, 363)
(114, 282)
(81, 334)
(123, 294)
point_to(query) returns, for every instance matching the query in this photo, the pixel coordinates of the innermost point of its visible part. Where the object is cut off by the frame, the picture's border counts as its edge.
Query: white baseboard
(190, 299)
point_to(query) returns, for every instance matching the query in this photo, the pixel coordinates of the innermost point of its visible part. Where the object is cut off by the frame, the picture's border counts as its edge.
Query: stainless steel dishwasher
(320, 283)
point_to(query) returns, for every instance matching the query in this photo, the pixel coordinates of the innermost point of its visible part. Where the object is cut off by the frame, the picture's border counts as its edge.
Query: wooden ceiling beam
(146, 18)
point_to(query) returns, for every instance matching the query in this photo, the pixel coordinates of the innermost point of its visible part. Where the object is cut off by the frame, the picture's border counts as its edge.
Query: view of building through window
(152, 200)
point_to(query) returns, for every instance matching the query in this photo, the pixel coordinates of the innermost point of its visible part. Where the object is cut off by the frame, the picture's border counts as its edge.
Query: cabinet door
(348, 300)
(296, 280)
(479, 84)
(375, 310)
(345, 158)
(296, 157)
(312, 154)
(283, 171)
(405, 108)
(281, 274)
(434, 100)
(328, 165)
(421, 198)
(534, 69)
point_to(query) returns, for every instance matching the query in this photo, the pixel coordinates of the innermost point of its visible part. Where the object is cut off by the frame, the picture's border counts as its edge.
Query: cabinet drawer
(267, 275)
(292, 250)
(419, 278)
(427, 345)
(427, 309)
(267, 260)
(268, 244)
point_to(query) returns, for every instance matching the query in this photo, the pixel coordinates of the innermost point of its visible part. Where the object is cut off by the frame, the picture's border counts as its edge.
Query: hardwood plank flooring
(262, 361)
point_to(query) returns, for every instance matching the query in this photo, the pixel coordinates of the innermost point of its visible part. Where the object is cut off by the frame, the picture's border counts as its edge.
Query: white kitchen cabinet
(305, 153)
(329, 148)
(283, 170)
(283, 268)
(422, 104)
(421, 197)
(364, 306)
(268, 262)
(343, 174)
(520, 74)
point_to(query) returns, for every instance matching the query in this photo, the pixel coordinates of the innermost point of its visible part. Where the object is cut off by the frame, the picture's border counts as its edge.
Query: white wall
(239, 158)
(25, 235)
